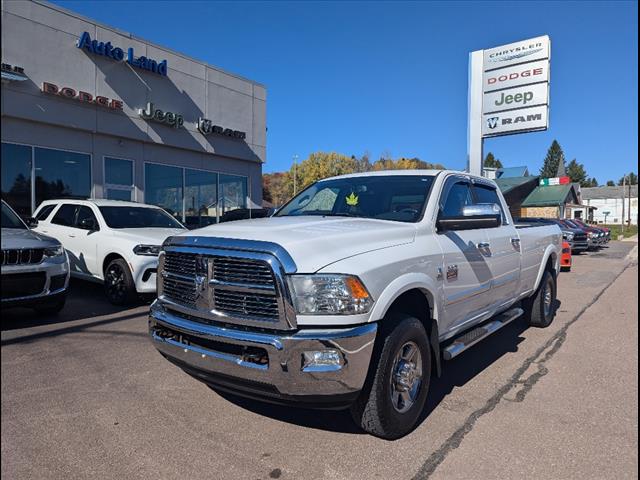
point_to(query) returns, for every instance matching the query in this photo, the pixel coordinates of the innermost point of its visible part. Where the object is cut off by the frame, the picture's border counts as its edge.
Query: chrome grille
(253, 305)
(234, 286)
(242, 271)
(22, 256)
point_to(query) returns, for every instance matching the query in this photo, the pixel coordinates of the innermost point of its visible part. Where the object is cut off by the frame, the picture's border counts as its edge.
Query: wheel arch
(413, 295)
(549, 263)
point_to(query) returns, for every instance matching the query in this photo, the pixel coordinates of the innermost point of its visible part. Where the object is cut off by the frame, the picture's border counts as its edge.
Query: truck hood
(146, 236)
(315, 242)
(23, 238)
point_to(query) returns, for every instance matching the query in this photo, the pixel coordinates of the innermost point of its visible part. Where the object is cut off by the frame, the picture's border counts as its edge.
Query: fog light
(321, 361)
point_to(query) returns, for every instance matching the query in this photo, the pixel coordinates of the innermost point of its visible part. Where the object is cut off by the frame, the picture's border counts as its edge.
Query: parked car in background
(576, 237)
(606, 232)
(596, 237)
(110, 241)
(35, 268)
(565, 257)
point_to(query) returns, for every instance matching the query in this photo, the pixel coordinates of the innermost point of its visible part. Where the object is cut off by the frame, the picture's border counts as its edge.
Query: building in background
(91, 111)
(611, 205)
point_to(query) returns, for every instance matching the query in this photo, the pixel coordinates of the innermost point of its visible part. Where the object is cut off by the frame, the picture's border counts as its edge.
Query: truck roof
(401, 172)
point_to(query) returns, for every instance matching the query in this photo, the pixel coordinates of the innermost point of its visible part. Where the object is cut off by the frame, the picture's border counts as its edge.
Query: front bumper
(225, 358)
(579, 246)
(55, 285)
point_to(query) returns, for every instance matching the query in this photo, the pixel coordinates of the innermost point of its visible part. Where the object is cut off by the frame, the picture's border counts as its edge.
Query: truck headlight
(54, 251)
(148, 250)
(568, 236)
(329, 294)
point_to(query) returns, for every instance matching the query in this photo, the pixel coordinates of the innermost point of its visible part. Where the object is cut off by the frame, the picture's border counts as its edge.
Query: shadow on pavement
(331, 420)
(85, 300)
(455, 373)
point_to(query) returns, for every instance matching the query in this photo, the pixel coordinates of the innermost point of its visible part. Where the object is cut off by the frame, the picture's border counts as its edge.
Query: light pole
(295, 174)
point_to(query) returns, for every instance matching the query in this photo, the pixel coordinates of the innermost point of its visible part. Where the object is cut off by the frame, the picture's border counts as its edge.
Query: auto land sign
(515, 86)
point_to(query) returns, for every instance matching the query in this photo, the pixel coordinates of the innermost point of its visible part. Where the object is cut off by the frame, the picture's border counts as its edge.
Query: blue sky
(391, 77)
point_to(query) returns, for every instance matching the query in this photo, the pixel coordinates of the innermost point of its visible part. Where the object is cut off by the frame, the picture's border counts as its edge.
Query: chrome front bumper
(214, 354)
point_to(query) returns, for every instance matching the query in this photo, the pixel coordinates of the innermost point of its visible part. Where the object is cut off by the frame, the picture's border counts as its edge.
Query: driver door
(466, 275)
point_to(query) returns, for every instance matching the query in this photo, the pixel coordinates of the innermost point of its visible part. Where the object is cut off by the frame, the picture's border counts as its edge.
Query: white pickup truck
(353, 293)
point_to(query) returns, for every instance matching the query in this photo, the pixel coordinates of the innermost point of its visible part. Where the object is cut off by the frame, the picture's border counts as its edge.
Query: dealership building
(89, 111)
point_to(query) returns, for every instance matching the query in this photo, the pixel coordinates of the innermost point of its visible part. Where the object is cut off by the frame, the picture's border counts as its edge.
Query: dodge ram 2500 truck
(353, 293)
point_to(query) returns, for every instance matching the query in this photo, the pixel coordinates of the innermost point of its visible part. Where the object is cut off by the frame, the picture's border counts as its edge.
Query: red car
(565, 258)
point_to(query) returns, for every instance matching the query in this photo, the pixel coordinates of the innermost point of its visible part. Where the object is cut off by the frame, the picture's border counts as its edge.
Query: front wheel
(118, 283)
(394, 395)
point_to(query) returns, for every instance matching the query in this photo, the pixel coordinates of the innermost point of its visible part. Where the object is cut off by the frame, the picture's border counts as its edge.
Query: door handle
(516, 243)
(483, 248)
(72, 236)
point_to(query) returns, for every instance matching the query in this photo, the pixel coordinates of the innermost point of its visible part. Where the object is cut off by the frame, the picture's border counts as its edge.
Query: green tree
(611, 183)
(554, 157)
(577, 174)
(632, 179)
(491, 162)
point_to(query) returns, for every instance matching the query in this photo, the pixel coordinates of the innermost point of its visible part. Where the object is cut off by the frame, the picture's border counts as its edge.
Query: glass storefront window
(60, 174)
(118, 194)
(200, 198)
(163, 187)
(118, 179)
(233, 193)
(16, 177)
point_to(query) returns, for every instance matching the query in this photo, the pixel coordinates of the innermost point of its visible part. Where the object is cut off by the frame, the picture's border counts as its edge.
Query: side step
(472, 337)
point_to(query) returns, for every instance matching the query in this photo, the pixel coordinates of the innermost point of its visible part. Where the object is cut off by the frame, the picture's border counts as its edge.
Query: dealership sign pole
(508, 93)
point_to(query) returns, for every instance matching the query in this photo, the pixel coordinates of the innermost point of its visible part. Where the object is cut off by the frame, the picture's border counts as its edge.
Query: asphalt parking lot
(86, 395)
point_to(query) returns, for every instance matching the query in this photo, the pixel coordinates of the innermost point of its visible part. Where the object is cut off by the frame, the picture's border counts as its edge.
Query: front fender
(403, 284)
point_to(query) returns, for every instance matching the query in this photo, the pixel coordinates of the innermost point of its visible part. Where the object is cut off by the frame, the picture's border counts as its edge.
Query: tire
(537, 312)
(374, 410)
(52, 308)
(118, 283)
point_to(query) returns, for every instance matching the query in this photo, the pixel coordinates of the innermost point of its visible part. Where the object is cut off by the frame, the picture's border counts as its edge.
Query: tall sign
(508, 93)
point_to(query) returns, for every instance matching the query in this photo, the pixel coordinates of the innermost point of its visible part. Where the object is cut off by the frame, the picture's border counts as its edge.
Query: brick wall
(543, 212)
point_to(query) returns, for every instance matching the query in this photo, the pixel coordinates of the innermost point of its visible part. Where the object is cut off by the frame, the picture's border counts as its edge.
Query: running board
(472, 337)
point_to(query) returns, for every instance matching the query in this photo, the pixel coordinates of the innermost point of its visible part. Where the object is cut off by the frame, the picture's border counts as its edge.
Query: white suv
(111, 241)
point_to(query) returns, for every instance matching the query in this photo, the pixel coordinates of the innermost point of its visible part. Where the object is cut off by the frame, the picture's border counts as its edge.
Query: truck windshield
(138, 217)
(10, 219)
(399, 198)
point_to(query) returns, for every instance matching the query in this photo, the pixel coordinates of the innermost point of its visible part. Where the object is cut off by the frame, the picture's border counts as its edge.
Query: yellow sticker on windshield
(352, 200)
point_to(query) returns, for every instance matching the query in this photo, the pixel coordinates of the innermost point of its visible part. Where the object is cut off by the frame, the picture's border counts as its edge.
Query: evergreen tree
(577, 173)
(492, 162)
(611, 183)
(632, 179)
(555, 155)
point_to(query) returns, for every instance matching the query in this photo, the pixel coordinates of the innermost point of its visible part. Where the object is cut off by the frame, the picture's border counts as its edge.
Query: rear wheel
(539, 309)
(394, 395)
(118, 283)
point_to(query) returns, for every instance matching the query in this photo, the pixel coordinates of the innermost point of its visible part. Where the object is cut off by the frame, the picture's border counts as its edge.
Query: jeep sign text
(528, 96)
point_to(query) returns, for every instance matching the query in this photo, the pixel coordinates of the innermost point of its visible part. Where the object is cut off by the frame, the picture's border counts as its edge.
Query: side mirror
(31, 222)
(484, 215)
(88, 224)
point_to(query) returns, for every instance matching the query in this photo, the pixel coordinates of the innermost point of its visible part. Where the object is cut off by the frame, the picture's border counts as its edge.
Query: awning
(13, 76)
